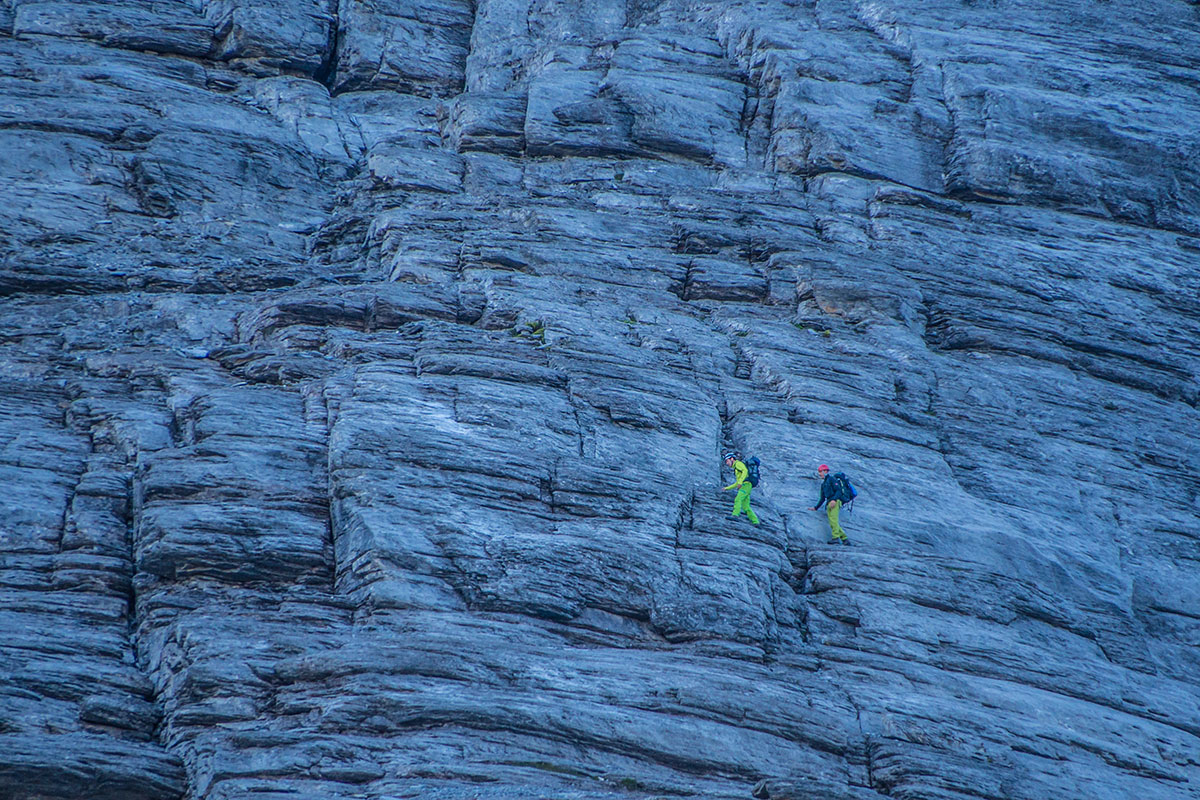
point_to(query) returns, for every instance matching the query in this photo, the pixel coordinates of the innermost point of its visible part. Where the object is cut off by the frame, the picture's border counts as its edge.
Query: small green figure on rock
(744, 480)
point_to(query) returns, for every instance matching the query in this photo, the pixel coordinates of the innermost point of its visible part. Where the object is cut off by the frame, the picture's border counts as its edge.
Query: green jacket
(739, 473)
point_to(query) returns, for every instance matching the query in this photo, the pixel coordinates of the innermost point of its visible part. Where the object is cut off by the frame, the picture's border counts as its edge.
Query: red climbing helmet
(823, 467)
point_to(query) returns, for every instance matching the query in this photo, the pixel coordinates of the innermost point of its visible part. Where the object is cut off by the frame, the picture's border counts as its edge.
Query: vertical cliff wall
(364, 369)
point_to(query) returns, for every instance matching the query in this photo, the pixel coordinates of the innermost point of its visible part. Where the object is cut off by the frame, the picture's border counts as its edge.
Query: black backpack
(752, 465)
(843, 489)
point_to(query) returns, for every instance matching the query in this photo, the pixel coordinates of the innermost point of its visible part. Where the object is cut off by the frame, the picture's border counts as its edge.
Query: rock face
(366, 366)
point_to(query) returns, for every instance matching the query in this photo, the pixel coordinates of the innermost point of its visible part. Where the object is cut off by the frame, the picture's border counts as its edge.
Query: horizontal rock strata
(365, 369)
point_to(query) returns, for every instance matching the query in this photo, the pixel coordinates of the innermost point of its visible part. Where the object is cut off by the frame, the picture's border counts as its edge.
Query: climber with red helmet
(833, 495)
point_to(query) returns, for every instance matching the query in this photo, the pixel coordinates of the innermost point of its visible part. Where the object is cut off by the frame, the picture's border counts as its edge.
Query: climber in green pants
(832, 497)
(743, 485)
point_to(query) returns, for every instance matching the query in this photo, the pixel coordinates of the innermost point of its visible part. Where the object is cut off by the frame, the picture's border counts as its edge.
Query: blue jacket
(828, 490)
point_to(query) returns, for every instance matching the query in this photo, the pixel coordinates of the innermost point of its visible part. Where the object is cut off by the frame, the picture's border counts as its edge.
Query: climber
(742, 483)
(832, 492)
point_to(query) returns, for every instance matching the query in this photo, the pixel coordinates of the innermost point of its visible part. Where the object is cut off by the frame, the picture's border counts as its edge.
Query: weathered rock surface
(366, 365)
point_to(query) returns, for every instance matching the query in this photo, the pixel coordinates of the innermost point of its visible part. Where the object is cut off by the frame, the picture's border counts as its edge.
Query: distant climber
(744, 483)
(836, 491)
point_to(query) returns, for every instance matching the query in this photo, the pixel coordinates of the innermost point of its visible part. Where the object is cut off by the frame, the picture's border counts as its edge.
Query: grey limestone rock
(365, 368)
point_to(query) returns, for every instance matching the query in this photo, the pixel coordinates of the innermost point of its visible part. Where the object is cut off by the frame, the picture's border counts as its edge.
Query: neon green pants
(835, 529)
(742, 503)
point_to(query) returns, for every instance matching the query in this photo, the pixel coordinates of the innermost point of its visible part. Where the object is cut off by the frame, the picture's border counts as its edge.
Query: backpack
(752, 464)
(843, 489)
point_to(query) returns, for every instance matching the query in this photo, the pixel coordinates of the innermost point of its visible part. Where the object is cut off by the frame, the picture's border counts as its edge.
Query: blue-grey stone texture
(365, 367)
